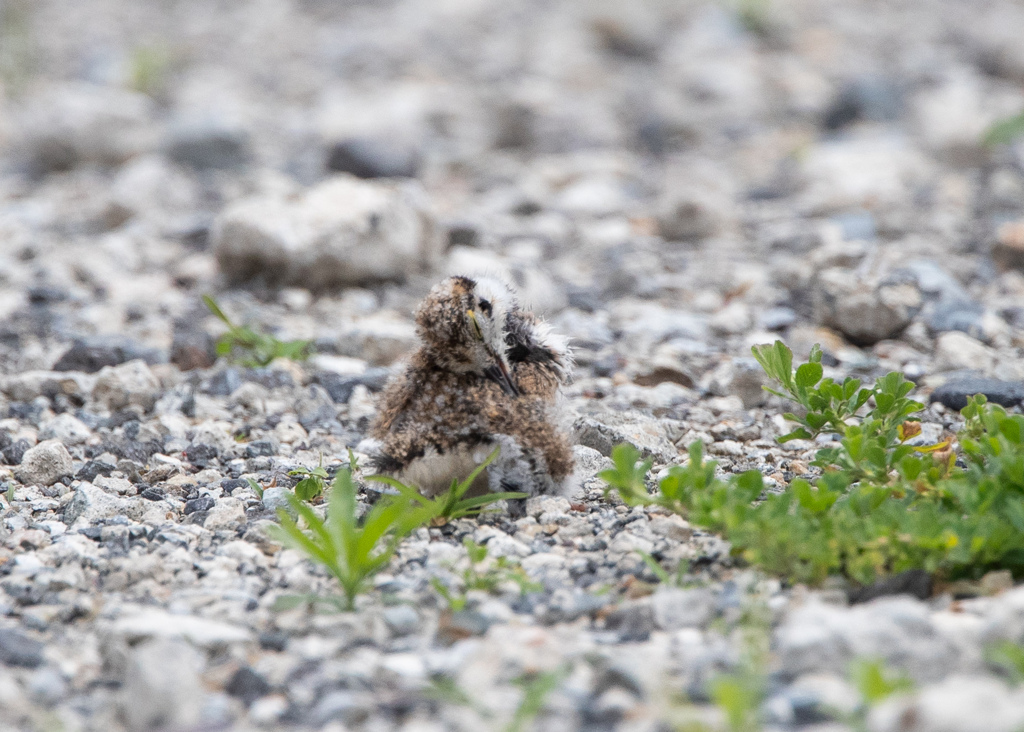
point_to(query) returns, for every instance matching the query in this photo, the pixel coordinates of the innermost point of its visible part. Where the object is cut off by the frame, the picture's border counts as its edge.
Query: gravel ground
(668, 183)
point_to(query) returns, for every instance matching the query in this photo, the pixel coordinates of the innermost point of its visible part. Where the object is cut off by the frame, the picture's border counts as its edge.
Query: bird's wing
(394, 400)
(531, 341)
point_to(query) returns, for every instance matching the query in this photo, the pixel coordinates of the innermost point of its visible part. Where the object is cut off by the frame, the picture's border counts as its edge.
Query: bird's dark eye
(485, 307)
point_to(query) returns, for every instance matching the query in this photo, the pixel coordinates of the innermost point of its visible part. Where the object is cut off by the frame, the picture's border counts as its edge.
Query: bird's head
(462, 324)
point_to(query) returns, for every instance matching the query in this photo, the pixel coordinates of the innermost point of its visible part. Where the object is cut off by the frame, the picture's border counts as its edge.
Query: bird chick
(486, 375)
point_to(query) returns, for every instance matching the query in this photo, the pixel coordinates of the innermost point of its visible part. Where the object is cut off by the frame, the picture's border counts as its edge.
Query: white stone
(44, 464)
(128, 384)
(698, 201)
(162, 687)
(956, 704)
(865, 172)
(90, 504)
(226, 513)
(683, 608)
(864, 310)
(343, 231)
(955, 350)
(66, 428)
(156, 623)
(72, 123)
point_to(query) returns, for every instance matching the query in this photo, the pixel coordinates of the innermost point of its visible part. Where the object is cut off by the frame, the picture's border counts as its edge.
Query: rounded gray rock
(45, 464)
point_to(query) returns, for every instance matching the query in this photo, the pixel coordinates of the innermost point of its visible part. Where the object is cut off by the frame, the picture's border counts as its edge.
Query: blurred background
(669, 171)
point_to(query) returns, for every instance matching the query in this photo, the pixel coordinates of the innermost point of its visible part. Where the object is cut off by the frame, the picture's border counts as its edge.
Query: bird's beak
(499, 373)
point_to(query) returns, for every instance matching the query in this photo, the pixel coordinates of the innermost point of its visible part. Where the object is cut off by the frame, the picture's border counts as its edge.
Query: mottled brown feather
(440, 402)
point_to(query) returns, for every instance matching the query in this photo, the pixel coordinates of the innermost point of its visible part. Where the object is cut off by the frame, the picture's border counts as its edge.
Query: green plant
(18, 50)
(149, 67)
(881, 506)
(446, 690)
(351, 550)
(755, 16)
(253, 349)
(875, 682)
(537, 687)
(256, 488)
(452, 504)
(312, 484)
(478, 576)
(1004, 131)
(870, 444)
(1008, 657)
(674, 579)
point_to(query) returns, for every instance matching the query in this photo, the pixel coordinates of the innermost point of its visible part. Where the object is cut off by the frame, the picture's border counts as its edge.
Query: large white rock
(153, 623)
(697, 201)
(957, 704)
(955, 350)
(867, 172)
(44, 464)
(67, 428)
(162, 686)
(343, 231)
(65, 125)
(131, 383)
(865, 310)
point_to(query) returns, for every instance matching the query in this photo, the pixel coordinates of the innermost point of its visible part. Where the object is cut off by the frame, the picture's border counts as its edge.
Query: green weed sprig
(253, 349)
(452, 504)
(880, 507)
(489, 578)
(351, 550)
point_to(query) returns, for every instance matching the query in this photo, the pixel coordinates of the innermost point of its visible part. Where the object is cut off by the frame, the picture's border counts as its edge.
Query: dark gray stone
(463, 235)
(223, 383)
(90, 359)
(201, 455)
(873, 98)
(915, 582)
(230, 485)
(153, 494)
(269, 378)
(207, 146)
(260, 448)
(955, 392)
(192, 347)
(17, 649)
(13, 453)
(371, 157)
(634, 621)
(957, 315)
(203, 503)
(247, 685)
(339, 387)
(93, 469)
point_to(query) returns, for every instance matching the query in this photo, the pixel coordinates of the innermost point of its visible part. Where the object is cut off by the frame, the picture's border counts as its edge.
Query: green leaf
(1012, 429)
(875, 682)
(1009, 658)
(289, 602)
(1004, 131)
(808, 375)
(309, 488)
(256, 488)
(655, 567)
(214, 308)
(798, 434)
